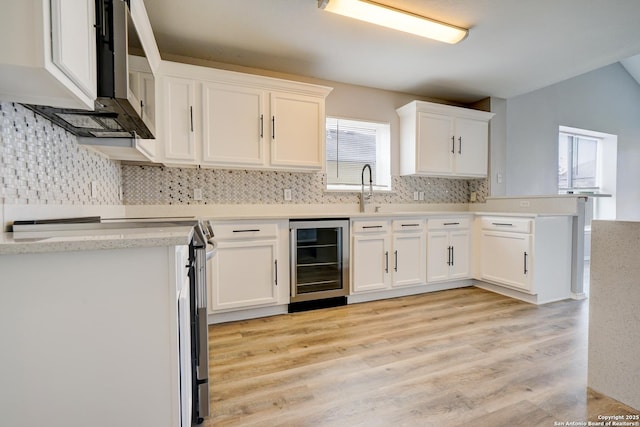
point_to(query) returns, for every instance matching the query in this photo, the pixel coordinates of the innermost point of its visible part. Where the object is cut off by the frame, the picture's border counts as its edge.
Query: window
(588, 164)
(350, 145)
(578, 161)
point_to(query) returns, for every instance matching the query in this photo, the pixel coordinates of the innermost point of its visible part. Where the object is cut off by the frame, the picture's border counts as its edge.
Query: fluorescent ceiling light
(400, 20)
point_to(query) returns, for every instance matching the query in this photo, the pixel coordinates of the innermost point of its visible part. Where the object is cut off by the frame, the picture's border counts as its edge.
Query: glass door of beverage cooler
(319, 259)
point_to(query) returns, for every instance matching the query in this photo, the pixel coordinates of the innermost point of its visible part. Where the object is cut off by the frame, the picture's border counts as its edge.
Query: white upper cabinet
(180, 127)
(48, 54)
(243, 121)
(233, 125)
(297, 131)
(441, 140)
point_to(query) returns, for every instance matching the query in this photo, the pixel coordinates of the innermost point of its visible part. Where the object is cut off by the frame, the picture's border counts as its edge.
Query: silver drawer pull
(451, 223)
(504, 224)
(247, 231)
(371, 226)
(411, 225)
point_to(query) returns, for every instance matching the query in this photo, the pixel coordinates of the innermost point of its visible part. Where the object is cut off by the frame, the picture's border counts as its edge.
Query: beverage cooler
(319, 260)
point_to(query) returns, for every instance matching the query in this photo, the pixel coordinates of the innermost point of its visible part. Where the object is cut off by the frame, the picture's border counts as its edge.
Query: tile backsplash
(147, 185)
(42, 163)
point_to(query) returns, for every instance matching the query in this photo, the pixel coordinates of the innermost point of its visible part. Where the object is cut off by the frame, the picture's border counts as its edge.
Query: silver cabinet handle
(191, 117)
(502, 224)
(451, 223)
(525, 263)
(453, 144)
(261, 125)
(410, 225)
(395, 267)
(452, 256)
(460, 145)
(276, 262)
(371, 226)
(273, 127)
(247, 231)
(386, 262)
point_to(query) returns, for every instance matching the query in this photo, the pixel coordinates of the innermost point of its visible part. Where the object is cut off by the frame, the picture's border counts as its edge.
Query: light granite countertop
(86, 240)
(81, 240)
(372, 215)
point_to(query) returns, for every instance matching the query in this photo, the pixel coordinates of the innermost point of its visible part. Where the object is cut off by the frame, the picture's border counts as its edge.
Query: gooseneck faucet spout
(364, 198)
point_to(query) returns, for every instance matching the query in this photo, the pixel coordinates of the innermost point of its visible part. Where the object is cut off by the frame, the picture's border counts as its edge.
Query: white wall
(605, 100)
(498, 147)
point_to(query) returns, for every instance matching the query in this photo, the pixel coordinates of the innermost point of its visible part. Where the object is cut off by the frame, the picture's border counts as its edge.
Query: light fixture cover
(386, 16)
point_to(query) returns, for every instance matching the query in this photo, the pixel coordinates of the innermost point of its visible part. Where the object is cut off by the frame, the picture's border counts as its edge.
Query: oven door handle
(211, 250)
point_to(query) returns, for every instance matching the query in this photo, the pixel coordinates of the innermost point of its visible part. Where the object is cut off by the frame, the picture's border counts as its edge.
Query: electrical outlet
(415, 195)
(287, 194)
(499, 177)
(421, 195)
(197, 194)
(94, 189)
(474, 196)
(524, 204)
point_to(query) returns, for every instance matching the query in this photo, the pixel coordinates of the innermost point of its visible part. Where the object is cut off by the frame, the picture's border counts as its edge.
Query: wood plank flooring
(463, 357)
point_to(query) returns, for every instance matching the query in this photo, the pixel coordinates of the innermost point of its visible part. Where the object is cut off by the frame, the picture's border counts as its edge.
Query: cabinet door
(472, 147)
(370, 262)
(507, 259)
(297, 131)
(438, 256)
(73, 46)
(435, 144)
(142, 87)
(233, 125)
(234, 285)
(180, 121)
(459, 240)
(409, 259)
(148, 98)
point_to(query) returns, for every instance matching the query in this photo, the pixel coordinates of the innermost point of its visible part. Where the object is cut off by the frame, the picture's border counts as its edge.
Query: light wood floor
(464, 357)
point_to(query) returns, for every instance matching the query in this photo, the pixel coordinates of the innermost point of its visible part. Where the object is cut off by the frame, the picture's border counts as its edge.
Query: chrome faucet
(364, 198)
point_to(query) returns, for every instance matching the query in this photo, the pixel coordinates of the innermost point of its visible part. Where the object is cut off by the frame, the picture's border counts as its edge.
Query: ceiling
(513, 46)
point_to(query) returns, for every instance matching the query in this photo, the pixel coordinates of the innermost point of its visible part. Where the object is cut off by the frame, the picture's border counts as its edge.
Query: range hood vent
(118, 113)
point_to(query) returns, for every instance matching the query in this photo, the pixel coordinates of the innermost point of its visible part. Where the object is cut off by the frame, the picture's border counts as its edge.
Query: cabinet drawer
(513, 225)
(244, 231)
(370, 226)
(407, 224)
(447, 223)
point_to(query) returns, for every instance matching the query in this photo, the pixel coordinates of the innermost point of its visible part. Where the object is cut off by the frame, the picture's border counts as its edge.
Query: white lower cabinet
(448, 249)
(370, 256)
(528, 258)
(508, 258)
(384, 257)
(409, 247)
(248, 269)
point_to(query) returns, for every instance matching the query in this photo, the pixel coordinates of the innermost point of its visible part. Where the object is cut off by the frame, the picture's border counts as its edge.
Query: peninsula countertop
(86, 240)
